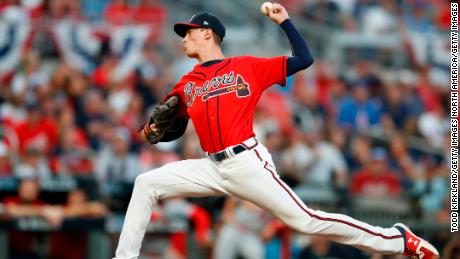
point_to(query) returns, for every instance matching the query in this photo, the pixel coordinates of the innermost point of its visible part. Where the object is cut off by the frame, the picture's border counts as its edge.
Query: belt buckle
(218, 156)
(229, 151)
(224, 154)
(221, 156)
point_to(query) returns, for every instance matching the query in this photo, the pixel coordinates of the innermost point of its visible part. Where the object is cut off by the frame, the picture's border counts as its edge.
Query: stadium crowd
(363, 138)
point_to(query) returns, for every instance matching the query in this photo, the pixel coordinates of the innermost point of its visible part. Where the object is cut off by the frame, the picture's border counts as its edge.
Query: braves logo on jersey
(211, 88)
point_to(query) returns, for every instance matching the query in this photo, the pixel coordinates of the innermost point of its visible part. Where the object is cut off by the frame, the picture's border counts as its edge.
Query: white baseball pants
(251, 176)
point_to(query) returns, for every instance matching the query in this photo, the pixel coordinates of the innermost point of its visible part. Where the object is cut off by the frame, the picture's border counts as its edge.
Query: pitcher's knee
(140, 180)
(146, 180)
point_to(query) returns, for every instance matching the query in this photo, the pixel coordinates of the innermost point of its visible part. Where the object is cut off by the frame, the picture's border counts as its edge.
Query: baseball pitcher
(219, 96)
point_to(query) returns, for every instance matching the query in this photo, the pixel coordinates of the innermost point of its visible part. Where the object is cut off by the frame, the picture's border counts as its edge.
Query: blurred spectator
(276, 142)
(241, 232)
(102, 75)
(173, 213)
(345, 6)
(324, 12)
(134, 117)
(358, 112)
(321, 247)
(6, 166)
(92, 118)
(28, 191)
(147, 12)
(429, 95)
(443, 215)
(360, 7)
(73, 244)
(364, 71)
(33, 164)
(151, 157)
(381, 19)
(268, 129)
(430, 188)
(264, 124)
(434, 125)
(117, 13)
(181, 64)
(116, 163)
(28, 81)
(376, 180)
(27, 204)
(191, 144)
(296, 159)
(417, 17)
(324, 81)
(329, 169)
(152, 76)
(410, 99)
(37, 131)
(78, 205)
(309, 115)
(395, 111)
(26, 86)
(59, 9)
(151, 13)
(281, 112)
(94, 108)
(66, 121)
(402, 162)
(13, 110)
(119, 98)
(360, 152)
(72, 156)
(338, 92)
(316, 161)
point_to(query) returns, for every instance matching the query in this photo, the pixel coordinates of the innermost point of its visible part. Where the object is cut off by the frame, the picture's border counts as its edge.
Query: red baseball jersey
(220, 99)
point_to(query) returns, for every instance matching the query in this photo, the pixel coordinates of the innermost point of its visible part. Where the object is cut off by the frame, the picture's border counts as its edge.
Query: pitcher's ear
(207, 33)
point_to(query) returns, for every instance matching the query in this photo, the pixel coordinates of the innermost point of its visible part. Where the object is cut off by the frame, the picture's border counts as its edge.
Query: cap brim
(182, 28)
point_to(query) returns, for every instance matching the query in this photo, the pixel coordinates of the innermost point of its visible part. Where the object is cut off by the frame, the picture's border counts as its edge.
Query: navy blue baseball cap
(201, 20)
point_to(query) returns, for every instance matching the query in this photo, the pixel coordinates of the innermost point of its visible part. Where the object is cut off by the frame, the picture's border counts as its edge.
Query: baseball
(265, 7)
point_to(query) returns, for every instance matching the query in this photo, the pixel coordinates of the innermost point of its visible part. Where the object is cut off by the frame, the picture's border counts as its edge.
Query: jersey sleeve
(269, 71)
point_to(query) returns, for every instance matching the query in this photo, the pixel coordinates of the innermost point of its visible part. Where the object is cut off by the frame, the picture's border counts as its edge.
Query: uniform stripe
(218, 125)
(257, 153)
(251, 147)
(322, 218)
(217, 117)
(209, 126)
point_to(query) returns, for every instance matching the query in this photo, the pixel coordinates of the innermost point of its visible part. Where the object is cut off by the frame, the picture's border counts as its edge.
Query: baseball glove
(163, 116)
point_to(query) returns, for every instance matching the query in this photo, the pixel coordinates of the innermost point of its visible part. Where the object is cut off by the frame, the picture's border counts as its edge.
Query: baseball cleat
(414, 246)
